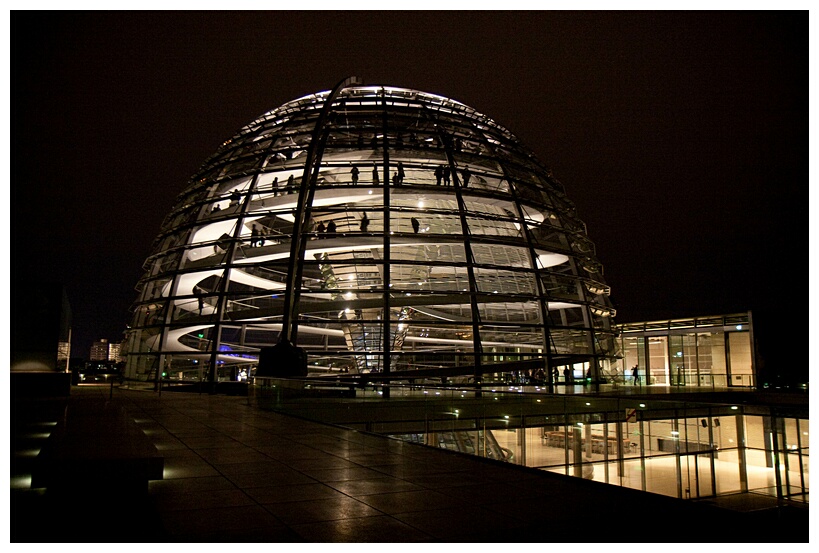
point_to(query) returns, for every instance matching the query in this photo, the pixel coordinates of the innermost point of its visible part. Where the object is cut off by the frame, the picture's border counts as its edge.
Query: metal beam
(290, 323)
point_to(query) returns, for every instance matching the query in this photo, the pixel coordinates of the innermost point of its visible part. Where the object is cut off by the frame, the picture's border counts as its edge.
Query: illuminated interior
(381, 229)
(705, 352)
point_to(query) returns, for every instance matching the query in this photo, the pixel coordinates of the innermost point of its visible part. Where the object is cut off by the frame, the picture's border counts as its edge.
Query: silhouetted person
(365, 222)
(234, 198)
(320, 229)
(400, 173)
(446, 175)
(200, 300)
(439, 174)
(635, 375)
(290, 181)
(376, 182)
(395, 181)
(567, 375)
(416, 226)
(253, 235)
(354, 173)
(331, 229)
(466, 173)
(275, 186)
(216, 208)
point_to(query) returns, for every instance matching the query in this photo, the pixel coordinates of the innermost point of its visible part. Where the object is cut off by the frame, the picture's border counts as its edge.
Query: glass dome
(382, 230)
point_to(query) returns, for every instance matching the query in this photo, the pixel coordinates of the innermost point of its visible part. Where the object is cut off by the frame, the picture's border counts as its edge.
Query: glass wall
(711, 352)
(684, 457)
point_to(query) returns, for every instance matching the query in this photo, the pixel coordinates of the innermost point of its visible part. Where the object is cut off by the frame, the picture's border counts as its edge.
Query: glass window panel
(510, 312)
(427, 276)
(505, 228)
(711, 356)
(518, 343)
(423, 308)
(658, 360)
(498, 281)
(502, 255)
(739, 346)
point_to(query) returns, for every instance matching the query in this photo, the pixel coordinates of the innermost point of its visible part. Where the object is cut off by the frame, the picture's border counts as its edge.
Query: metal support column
(292, 293)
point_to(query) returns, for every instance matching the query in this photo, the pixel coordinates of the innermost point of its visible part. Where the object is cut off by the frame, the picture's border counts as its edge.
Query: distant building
(114, 351)
(99, 350)
(103, 350)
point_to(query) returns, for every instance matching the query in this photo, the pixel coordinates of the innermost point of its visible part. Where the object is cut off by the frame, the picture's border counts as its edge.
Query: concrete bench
(97, 446)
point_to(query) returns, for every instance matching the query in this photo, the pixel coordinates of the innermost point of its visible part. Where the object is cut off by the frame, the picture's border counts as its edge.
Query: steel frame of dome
(472, 261)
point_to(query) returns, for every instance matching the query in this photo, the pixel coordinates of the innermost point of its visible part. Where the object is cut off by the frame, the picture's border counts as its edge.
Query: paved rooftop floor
(238, 474)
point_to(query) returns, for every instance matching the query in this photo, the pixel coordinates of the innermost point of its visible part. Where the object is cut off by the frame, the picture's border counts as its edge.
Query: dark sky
(682, 137)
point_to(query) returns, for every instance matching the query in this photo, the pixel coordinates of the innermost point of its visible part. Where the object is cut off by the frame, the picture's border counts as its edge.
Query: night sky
(682, 137)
